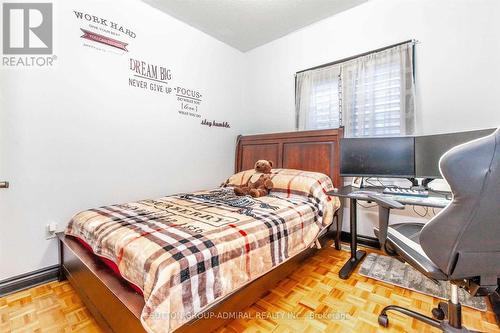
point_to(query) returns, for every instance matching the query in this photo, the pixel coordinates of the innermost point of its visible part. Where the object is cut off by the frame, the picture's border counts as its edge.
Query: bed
(177, 263)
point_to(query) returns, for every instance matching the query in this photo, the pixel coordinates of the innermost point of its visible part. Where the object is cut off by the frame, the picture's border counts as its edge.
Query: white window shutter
(371, 95)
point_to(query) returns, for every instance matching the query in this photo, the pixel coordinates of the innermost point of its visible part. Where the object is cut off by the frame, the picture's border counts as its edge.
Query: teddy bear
(263, 184)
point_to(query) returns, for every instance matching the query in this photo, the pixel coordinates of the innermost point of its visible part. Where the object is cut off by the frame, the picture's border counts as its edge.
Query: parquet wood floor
(315, 290)
(52, 307)
(313, 299)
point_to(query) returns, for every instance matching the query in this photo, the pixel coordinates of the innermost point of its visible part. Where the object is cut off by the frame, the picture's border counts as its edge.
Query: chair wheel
(383, 320)
(438, 314)
(443, 306)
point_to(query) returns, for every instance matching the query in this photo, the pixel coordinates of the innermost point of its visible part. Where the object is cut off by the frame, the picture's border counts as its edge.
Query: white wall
(455, 60)
(456, 69)
(76, 136)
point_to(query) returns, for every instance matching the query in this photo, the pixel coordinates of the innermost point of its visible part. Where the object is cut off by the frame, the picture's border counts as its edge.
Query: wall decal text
(149, 76)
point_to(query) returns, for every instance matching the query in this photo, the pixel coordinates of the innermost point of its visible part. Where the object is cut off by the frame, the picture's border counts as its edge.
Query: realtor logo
(27, 28)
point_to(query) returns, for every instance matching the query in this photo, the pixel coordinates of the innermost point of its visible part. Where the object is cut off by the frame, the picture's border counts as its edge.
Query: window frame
(413, 42)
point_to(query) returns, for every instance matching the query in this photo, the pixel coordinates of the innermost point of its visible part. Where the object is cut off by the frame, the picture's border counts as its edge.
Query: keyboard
(405, 191)
(422, 201)
(365, 193)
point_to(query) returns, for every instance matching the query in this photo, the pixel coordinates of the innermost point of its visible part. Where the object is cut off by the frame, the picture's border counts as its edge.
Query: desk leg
(356, 256)
(339, 218)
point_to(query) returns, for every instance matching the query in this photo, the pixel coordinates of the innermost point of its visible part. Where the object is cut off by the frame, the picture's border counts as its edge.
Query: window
(319, 106)
(372, 95)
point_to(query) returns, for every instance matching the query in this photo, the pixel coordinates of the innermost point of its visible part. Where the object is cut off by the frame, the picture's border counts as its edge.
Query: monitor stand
(426, 181)
(424, 185)
(414, 182)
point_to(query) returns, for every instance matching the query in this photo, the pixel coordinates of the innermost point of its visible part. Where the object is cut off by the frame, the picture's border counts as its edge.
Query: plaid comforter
(186, 251)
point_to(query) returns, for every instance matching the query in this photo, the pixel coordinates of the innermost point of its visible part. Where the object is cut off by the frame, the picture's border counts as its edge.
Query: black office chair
(461, 244)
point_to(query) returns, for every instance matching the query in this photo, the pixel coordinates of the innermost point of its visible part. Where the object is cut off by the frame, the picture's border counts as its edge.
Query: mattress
(110, 264)
(187, 251)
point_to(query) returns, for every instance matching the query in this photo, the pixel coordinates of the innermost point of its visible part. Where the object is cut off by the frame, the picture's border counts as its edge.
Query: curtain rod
(357, 56)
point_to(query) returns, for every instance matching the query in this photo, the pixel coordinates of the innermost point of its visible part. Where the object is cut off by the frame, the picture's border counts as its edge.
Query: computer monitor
(377, 157)
(430, 148)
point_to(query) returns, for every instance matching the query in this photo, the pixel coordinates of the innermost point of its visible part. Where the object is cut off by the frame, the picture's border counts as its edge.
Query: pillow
(290, 182)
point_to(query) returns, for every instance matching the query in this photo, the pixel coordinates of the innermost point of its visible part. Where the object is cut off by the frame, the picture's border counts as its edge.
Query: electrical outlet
(50, 230)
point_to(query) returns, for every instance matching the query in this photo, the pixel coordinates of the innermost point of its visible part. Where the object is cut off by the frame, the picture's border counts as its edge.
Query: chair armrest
(385, 202)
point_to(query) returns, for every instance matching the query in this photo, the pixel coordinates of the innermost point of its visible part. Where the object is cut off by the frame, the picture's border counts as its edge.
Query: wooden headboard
(317, 151)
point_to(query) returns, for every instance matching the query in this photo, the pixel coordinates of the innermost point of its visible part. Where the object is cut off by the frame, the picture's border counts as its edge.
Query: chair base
(443, 324)
(383, 320)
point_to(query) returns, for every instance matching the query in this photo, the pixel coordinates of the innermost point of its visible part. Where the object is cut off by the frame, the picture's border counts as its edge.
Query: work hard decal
(27, 38)
(107, 35)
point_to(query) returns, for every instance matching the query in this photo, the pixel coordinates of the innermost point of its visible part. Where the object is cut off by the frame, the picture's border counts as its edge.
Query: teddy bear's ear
(270, 163)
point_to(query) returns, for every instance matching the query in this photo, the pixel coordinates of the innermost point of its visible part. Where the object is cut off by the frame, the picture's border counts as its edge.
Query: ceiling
(246, 24)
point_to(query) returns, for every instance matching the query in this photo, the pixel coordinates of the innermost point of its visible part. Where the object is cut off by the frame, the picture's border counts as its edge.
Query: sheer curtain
(378, 93)
(317, 104)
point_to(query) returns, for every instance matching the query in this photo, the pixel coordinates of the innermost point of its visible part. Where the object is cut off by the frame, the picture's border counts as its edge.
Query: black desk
(436, 200)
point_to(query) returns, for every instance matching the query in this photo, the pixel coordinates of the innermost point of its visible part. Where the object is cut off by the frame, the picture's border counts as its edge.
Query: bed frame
(317, 151)
(117, 307)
